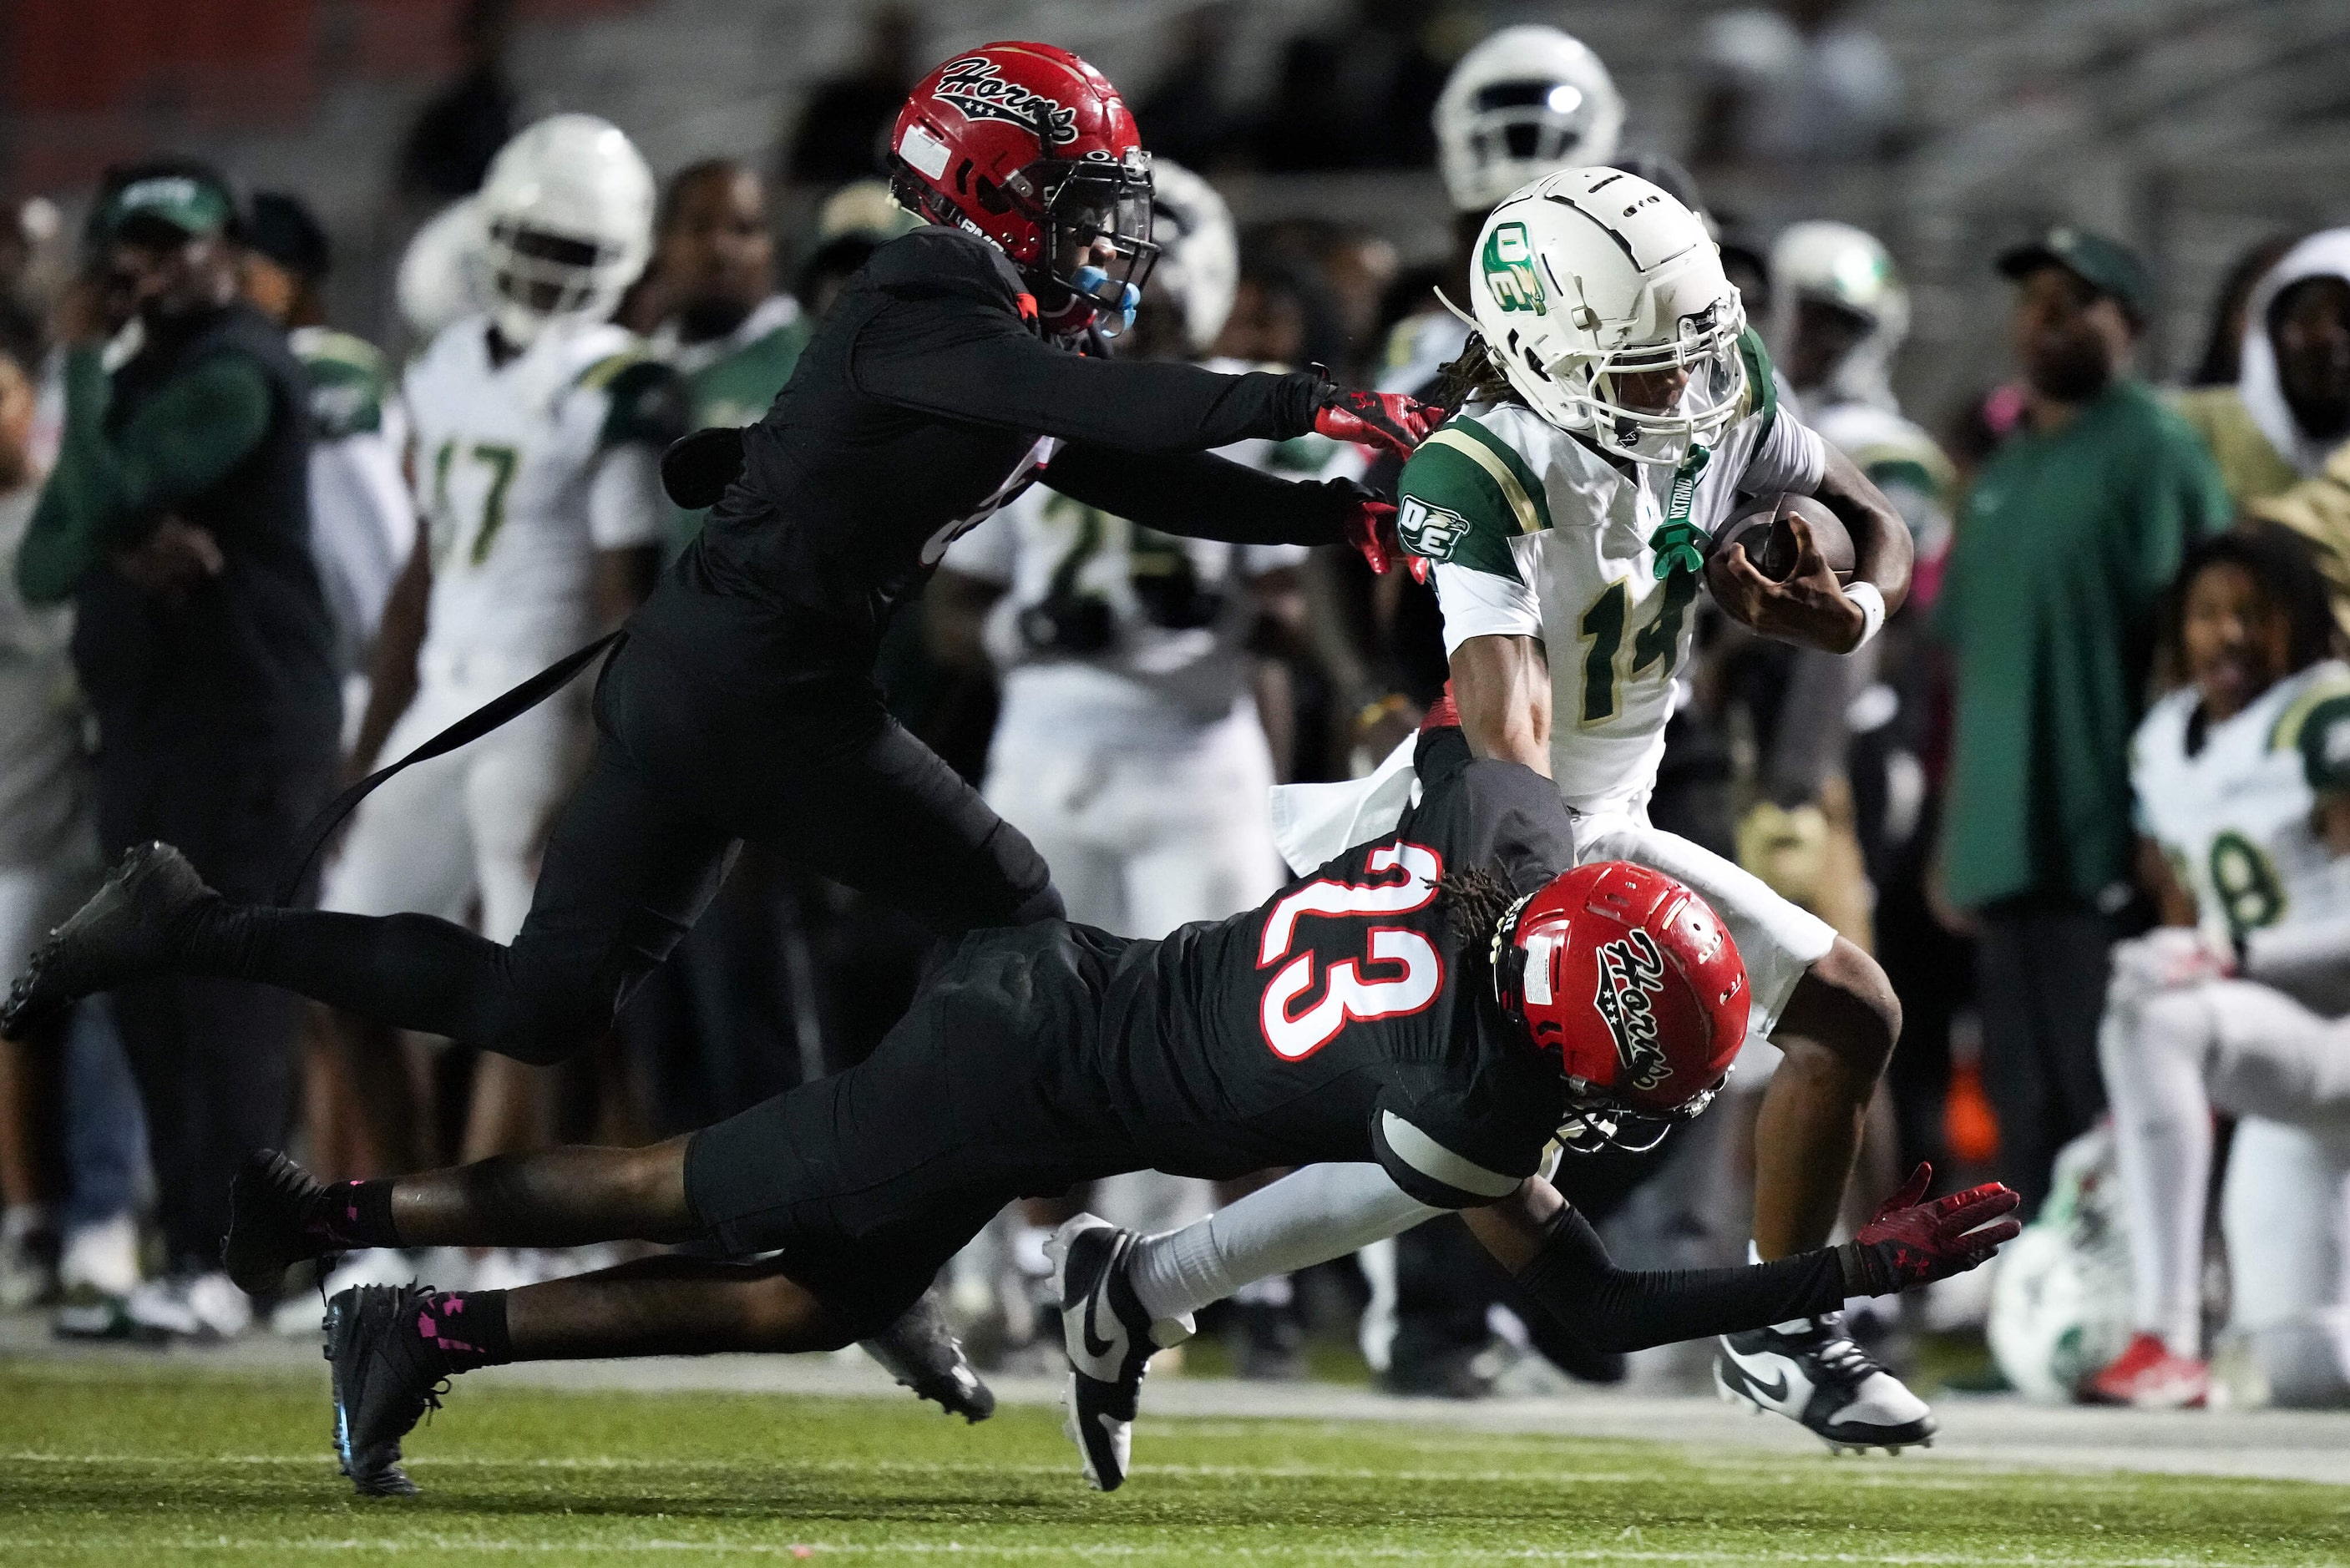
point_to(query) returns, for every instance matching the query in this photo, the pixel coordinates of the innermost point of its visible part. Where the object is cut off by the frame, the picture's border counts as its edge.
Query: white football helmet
(1525, 102)
(444, 271)
(1198, 268)
(1835, 264)
(1603, 300)
(569, 209)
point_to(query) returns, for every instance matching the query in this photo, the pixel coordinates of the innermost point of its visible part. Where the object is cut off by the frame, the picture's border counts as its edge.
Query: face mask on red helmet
(1632, 987)
(1031, 149)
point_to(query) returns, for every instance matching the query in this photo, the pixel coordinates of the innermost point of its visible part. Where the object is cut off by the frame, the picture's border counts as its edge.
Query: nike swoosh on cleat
(1756, 1384)
(1095, 1345)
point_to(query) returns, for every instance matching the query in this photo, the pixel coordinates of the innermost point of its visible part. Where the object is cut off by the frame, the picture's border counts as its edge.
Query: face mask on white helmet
(567, 208)
(1199, 266)
(1525, 102)
(1849, 270)
(1603, 300)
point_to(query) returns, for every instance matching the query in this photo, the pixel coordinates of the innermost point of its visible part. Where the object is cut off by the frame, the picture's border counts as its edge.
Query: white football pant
(469, 823)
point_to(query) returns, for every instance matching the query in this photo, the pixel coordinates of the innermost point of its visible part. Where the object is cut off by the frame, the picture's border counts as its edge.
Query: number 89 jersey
(508, 462)
(1535, 533)
(2233, 815)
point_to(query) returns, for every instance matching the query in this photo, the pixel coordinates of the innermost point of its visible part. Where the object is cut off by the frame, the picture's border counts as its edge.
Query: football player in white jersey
(536, 430)
(2235, 1004)
(1619, 408)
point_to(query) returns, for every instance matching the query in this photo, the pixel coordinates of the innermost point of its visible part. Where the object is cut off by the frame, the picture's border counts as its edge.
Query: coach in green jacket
(177, 519)
(2070, 536)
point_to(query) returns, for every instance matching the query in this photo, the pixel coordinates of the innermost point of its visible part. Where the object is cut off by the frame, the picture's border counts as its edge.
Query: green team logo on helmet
(1510, 270)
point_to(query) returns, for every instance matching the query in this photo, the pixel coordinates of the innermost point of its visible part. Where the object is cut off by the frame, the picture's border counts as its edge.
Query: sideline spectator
(1794, 86)
(841, 133)
(449, 148)
(2289, 406)
(2073, 531)
(178, 520)
(2223, 349)
(1185, 117)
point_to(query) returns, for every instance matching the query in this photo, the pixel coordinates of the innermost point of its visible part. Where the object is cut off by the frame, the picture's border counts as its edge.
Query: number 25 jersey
(1343, 1020)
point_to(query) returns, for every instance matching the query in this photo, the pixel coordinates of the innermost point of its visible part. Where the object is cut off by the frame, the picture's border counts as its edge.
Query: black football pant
(684, 765)
(2040, 968)
(213, 1057)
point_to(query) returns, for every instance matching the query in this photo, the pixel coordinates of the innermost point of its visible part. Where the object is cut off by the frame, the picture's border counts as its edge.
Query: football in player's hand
(1763, 531)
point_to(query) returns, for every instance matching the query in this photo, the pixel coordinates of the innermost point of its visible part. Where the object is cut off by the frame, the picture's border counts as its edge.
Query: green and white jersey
(362, 519)
(1535, 534)
(1900, 458)
(2234, 814)
(524, 472)
(730, 380)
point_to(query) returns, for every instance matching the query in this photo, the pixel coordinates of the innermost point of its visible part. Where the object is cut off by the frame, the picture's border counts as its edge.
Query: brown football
(1770, 543)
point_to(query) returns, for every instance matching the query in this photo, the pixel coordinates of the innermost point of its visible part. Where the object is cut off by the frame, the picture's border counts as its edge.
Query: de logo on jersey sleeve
(1428, 530)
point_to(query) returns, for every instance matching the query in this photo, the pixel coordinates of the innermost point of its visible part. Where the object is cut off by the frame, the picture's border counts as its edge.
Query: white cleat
(1811, 1372)
(1110, 1339)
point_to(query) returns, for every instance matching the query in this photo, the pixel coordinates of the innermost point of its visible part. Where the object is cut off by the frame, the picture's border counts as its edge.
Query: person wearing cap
(177, 520)
(2072, 532)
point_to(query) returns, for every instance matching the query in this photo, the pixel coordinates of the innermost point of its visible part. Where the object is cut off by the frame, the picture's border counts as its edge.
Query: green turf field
(120, 1467)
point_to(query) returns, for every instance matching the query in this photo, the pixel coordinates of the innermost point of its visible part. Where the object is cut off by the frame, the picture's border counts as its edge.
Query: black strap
(500, 710)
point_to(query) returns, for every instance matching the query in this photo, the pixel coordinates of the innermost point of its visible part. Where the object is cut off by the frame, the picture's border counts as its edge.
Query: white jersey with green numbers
(1535, 533)
(524, 470)
(2232, 805)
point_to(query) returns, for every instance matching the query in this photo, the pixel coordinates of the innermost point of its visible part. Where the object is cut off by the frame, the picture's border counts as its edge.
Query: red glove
(1371, 528)
(1909, 1243)
(1387, 420)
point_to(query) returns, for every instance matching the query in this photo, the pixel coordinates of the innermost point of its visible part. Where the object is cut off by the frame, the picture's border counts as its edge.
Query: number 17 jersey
(506, 462)
(1343, 1020)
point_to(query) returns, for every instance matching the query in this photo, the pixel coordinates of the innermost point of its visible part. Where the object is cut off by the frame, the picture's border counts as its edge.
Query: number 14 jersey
(1342, 1020)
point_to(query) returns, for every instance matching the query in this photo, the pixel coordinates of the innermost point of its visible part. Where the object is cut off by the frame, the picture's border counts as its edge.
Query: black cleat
(923, 1354)
(385, 1378)
(127, 931)
(1110, 1339)
(273, 1221)
(1811, 1372)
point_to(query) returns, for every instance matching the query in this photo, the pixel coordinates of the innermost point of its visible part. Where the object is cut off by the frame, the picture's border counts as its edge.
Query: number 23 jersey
(1533, 532)
(523, 471)
(2233, 815)
(1342, 1020)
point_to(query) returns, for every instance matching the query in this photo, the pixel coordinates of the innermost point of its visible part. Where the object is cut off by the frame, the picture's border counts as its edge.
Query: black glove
(697, 469)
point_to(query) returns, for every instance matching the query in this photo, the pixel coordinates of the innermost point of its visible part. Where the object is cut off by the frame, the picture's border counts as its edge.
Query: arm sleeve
(626, 506)
(1431, 1172)
(1610, 1308)
(1790, 456)
(1203, 496)
(968, 359)
(106, 491)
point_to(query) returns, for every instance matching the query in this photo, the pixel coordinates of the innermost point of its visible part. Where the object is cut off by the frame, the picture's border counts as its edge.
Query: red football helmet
(1631, 982)
(1030, 148)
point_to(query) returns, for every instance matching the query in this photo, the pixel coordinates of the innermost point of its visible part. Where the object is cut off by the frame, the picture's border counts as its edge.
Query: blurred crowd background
(2157, 157)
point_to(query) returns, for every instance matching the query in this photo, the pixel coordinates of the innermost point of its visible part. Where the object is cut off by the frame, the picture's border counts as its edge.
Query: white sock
(2153, 1055)
(1308, 1217)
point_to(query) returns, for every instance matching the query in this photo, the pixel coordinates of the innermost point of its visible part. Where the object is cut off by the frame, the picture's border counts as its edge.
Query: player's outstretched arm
(1203, 496)
(1556, 1257)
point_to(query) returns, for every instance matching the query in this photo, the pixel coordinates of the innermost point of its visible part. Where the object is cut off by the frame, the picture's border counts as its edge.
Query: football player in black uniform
(1437, 1001)
(962, 363)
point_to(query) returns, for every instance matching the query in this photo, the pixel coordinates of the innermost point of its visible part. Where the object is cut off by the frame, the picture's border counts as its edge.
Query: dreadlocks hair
(1473, 902)
(2283, 565)
(1473, 376)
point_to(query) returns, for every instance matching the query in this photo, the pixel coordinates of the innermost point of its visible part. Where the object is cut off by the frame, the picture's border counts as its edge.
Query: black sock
(466, 1328)
(354, 1214)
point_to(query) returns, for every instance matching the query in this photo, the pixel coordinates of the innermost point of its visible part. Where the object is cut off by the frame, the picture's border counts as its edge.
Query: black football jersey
(1342, 1020)
(925, 400)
